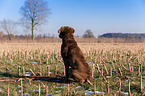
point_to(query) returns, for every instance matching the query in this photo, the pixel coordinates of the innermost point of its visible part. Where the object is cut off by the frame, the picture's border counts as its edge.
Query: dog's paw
(65, 79)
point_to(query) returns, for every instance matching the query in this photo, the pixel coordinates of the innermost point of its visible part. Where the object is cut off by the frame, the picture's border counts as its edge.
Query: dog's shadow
(55, 78)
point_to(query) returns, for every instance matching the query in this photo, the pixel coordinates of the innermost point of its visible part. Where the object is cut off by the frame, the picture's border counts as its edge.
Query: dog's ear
(71, 29)
(61, 32)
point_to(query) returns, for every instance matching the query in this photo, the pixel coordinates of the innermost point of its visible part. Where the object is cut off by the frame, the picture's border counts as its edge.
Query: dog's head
(66, 31)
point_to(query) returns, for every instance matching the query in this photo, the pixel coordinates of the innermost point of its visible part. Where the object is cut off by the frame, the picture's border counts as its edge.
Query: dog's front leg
(66, 72)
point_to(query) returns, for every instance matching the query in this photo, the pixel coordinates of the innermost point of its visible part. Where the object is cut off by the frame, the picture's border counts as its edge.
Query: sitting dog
(75, 63)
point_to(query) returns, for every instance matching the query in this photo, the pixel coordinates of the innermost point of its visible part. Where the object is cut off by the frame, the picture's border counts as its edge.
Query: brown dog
(74, 61)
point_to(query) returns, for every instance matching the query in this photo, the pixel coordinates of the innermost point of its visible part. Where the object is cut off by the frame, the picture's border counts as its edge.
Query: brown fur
(74, 61)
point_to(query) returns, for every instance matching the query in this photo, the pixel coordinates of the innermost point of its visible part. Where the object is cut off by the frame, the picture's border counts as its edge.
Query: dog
(75, 63)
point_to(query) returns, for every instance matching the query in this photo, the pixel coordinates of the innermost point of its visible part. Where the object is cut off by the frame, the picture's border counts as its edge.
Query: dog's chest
(64, 51)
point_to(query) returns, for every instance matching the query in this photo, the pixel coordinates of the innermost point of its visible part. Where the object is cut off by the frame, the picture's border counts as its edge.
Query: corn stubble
(36, 69)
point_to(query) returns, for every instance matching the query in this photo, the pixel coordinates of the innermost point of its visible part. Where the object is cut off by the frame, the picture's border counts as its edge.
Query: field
(37, 69)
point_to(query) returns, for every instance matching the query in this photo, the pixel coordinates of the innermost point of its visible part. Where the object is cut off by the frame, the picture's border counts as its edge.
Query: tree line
(48, 38)
(10, 36)
(124, 35)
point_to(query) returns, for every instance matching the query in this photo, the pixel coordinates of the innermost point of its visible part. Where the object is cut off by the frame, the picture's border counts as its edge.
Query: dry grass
(116, 68)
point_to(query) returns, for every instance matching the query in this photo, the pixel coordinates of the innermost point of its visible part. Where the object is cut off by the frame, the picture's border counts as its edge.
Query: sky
(100, 16)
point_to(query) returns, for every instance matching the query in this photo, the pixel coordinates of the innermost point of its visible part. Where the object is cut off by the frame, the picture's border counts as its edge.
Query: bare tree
(88, 34)
(8, 26)
(35, 13)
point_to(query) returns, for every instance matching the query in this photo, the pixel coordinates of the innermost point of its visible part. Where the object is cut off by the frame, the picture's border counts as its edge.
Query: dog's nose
(60, 36)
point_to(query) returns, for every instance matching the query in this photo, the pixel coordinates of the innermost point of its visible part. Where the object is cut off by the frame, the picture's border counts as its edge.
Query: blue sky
(101, 16)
